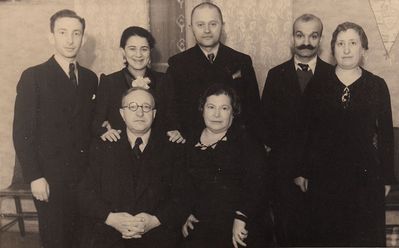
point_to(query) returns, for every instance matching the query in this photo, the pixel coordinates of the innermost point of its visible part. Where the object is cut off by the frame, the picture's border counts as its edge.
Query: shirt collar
(311, 63)
(214, 50)
(132, 139)
(64, 64)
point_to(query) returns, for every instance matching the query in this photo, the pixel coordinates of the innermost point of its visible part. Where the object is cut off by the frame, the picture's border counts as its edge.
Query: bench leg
(20, 217)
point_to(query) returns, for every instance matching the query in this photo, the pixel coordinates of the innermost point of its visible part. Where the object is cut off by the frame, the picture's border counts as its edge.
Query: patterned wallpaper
(106, 22)
(260, 28)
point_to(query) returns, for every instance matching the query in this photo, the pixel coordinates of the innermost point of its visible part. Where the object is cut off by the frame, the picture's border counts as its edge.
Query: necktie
(304, 78)
(304, 67)
(72, 75)
(211, 57)
(136, 147)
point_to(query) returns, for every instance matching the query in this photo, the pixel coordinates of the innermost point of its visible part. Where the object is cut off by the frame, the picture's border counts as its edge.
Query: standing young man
(52, 120)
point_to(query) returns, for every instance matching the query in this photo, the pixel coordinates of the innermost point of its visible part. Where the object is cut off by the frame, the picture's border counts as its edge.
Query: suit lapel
(149, 160)
(60, 84)
(292, 77)
(126, 170)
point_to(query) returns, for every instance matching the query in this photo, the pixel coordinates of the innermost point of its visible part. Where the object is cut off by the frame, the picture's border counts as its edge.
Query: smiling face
(67, 37)
(206, 24)
(138, 122)
(218, 113)
(137, 53)
(307, 36)
(348, 49)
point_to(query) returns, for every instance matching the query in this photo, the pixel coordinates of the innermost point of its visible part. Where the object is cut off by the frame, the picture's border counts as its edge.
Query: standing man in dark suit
(207, 63)
(52, 119)
(283, 131)
(132, 191)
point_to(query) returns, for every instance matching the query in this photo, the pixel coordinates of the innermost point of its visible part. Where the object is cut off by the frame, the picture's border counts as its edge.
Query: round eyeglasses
(133, 106)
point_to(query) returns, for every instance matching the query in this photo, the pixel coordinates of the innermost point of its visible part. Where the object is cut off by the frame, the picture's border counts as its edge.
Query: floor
(14, 240)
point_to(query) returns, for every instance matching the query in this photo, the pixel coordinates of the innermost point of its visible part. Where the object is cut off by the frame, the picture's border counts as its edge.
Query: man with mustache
(207, 63)
(284, 127)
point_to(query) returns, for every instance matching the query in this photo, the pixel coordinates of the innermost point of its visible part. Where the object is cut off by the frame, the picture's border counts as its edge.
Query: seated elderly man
(130, 196)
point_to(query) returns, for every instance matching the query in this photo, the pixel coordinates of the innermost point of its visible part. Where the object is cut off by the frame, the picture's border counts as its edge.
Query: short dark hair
(149, 91)
(209, 5)
(137, 31)
(307, 18)
(66, 13)
(221, 89)
(349, 25)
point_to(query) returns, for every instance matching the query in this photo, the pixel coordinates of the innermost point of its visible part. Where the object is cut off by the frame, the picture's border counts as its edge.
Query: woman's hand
(111, 134)
(239, 233)
(176, 137)
(189, 224)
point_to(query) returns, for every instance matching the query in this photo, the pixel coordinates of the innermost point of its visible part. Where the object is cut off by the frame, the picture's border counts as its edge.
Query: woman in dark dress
(225, 170)
(136, 44)
(349, 154)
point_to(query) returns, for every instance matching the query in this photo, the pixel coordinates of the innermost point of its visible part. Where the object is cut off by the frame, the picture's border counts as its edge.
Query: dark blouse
(226, 178)
(348, 160)
(351, 125)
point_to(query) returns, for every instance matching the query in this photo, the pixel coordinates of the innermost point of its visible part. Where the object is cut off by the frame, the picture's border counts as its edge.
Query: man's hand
(176, 137)
(239, 233)
(302, 183)
(387, 189)
(189, 224)
(128, 225)
(149, 221)
(40, 189)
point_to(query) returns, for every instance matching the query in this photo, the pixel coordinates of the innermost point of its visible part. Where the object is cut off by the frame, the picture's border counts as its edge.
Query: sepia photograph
(199, 123)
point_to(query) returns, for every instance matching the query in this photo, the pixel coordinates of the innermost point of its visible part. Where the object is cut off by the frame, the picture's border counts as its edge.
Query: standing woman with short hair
(349, 153)
(136, 44)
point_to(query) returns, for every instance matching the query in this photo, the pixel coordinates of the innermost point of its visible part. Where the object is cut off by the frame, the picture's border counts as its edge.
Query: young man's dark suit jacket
(119, 182)
(109, 95)
(192, 74)
(52, 121)
(284, 132)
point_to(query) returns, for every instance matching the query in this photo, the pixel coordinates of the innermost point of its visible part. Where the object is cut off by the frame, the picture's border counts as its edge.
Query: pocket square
(93, 97)
(237, 74)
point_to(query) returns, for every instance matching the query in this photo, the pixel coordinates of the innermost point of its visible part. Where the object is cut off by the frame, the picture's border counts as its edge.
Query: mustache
(302, 47)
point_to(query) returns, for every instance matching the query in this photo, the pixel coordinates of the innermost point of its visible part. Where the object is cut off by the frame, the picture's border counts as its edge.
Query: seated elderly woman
(225, 167)
(136, 44)
(349, 153)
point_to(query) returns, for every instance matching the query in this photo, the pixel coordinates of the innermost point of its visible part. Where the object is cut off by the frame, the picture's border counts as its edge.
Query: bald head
(208, 6)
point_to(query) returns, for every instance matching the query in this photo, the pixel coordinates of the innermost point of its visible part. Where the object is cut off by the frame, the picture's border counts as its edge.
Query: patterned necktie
(211, 57)
(136, 148)
(304, 67)
(72, 75)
